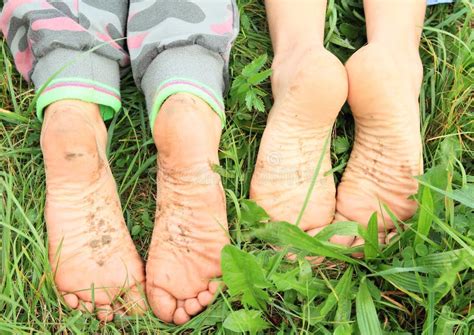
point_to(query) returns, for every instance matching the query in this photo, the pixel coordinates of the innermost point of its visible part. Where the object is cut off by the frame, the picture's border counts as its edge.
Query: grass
(422, 283)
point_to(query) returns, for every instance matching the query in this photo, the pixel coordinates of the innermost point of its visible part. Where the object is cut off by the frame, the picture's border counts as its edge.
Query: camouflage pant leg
(50, 39)
(181, 46)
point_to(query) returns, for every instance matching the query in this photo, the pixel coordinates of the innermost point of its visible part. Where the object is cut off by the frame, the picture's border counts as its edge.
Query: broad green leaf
(349, 30)
(464, 197)
(445, 322)
(344, 228)
(258, 104)
(289, 281)
(343, 329)
(287, 235)
(252, 214)
(371, 244)
(245, 321)
(442, 261)
(341, 144)
(259, 77)
(255, 65)
(367, 318)
(466, 193)
(425, 218)
(404, 281)
(249, 99)
(340, 42)
(243, 276)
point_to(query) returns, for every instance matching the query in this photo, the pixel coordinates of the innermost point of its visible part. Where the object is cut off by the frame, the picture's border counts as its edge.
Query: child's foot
(387, 152)
(93, 258)
(309, 87)
(191, 223)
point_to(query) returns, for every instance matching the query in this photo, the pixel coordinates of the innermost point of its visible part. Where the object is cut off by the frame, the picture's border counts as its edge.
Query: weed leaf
(371, 239)
(243, 276)
(287, 235)
(245, 321)
(425, 218)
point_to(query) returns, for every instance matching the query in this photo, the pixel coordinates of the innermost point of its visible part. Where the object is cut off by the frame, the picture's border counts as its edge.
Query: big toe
(162, 303)
(180, 317)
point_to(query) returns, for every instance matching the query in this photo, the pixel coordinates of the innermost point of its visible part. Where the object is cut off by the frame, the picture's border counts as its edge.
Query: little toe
(180, 316)
(70, 299)
(162, 303)
(134, 301)
(105, 313)
(192, 306)
(214, 286)
(205, 298)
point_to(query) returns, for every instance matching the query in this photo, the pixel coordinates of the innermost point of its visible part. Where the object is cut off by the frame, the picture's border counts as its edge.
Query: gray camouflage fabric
(76, 48)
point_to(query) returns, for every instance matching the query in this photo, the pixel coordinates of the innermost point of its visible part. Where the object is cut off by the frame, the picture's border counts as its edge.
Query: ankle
(187, 131)
(377, 62)
(312, 76)
(71, 125)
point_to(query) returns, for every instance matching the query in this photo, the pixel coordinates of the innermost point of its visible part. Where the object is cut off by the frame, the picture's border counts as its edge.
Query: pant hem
(180, 85)
(82, 75)
(185, 69)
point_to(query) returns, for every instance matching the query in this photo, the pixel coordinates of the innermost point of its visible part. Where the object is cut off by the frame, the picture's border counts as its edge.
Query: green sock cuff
(105, 96)
(181, 85)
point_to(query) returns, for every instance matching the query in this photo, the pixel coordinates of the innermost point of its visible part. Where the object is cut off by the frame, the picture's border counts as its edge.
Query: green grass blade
(367, 318)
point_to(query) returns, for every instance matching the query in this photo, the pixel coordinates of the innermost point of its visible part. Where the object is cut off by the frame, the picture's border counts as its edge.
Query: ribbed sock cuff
(82, 75)
(188, 69)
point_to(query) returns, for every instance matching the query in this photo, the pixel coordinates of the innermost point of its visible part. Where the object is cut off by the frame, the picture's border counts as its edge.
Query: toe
(180, 316)
(382, 237)
(358, 242)
(134, 301)
(105, 313)
(318, 260)
(162, 303)
(313, 232)
(205, 298)
(343, 240)
(180, 303)
(391, 235)
(192, 306)
(118, 309)
(85, 306)
(215, 286)
(71, 300)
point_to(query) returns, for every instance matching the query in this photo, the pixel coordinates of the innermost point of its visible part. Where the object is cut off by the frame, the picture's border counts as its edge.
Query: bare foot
(387, 153)
(92, 255)
(191, 223)
(309, 87)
